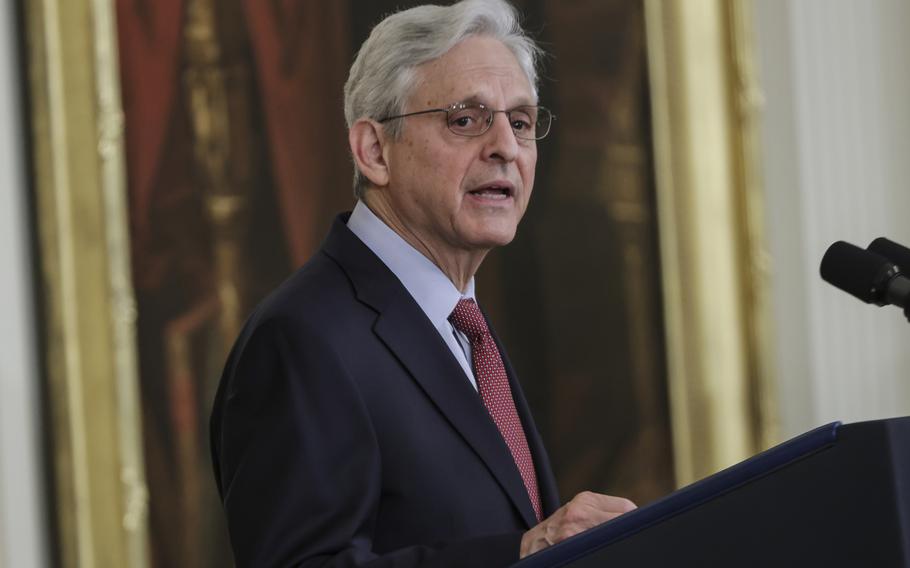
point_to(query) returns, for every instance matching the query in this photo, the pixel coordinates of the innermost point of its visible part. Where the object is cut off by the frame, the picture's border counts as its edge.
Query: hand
(584, 511)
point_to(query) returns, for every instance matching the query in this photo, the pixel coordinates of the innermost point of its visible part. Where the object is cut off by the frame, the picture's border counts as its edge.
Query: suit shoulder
(318, 292)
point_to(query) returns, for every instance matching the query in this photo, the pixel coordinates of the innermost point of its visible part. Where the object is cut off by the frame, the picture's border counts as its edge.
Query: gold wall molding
(705, 102)
(79, 178)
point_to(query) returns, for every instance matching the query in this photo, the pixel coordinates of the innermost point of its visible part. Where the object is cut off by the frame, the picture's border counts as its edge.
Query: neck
(458, 265)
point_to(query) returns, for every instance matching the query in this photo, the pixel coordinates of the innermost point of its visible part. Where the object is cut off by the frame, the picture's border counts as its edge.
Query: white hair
(383, 74)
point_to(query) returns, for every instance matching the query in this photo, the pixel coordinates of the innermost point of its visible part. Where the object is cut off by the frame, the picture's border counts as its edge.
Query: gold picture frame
(99, 490)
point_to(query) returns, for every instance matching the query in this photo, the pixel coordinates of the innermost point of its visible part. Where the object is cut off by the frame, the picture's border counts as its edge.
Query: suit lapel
(430, 362)
(410, 336)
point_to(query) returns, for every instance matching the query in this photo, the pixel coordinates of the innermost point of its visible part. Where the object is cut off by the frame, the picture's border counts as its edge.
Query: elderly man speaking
(367, 415)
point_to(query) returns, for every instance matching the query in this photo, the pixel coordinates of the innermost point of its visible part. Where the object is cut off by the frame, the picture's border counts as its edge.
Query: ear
(367, 140)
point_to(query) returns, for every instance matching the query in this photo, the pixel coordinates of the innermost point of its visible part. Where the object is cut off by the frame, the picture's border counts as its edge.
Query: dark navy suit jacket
(344, 432)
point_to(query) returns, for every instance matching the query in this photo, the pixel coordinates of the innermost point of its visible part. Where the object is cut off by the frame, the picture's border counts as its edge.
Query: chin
(495, 239)
(487, 233)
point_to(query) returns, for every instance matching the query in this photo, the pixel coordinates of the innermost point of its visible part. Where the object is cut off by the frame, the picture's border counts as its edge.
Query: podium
(838, 495)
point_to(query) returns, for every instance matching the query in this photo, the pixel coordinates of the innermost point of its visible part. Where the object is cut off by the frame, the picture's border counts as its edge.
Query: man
(367, 415)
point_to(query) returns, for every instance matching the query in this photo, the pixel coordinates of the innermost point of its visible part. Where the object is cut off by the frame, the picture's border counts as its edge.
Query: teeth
(492, 193)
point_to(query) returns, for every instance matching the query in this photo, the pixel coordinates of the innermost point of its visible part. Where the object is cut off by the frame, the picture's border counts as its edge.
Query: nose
(501, 143)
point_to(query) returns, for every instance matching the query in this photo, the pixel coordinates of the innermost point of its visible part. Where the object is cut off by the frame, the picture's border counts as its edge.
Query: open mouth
(493, 191)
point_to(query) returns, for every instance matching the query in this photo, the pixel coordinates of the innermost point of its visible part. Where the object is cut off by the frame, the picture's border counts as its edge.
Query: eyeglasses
(473, 119)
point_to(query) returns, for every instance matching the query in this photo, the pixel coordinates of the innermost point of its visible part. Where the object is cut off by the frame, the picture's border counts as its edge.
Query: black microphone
(896, 253)
(867, 275)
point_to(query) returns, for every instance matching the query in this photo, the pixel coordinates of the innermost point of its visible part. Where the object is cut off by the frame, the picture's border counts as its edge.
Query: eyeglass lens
(528, 122)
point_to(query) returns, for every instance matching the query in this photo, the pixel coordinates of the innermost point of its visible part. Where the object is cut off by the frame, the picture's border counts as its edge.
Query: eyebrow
(477, 99)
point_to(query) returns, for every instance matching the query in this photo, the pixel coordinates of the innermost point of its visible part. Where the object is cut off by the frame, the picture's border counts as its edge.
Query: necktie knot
(468, 319)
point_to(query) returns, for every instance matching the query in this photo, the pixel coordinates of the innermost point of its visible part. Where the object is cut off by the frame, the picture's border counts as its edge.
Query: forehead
(478, 68)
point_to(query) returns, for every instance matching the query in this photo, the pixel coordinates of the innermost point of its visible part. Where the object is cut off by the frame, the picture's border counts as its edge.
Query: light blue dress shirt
(428, 285)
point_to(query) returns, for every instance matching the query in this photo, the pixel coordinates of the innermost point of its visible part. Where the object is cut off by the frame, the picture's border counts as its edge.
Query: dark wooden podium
(836, 496)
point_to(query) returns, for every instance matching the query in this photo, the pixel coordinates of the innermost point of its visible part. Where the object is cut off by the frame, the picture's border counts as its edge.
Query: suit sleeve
(299, 463)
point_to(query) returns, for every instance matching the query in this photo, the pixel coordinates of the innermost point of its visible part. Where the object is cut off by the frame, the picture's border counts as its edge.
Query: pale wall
(23, 534)
(836, 77)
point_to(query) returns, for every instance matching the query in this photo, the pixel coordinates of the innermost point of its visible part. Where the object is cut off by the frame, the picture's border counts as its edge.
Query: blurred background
(164, 164)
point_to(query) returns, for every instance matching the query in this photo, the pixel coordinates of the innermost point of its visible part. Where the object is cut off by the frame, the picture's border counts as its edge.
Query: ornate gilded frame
(705, 104)
(79, 179)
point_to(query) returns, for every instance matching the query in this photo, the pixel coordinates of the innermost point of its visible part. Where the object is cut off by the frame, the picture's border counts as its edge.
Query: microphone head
(898, 254)
(858, 272)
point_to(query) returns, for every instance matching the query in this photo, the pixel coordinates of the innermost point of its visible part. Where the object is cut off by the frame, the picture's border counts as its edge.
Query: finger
(573, 520)
(615, 504)
(584, 511)
(603, 502)
(535, 539)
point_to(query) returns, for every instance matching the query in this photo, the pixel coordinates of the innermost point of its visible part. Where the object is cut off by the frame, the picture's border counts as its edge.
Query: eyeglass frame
(462, 106)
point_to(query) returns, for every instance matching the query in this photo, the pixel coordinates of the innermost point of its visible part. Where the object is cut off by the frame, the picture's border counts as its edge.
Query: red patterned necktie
(493, 385)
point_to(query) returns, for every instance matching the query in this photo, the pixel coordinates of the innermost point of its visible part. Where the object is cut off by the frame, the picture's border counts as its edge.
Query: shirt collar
(428, 285)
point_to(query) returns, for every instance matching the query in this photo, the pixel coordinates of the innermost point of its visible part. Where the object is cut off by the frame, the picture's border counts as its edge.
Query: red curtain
(150, 35)
(301, 52)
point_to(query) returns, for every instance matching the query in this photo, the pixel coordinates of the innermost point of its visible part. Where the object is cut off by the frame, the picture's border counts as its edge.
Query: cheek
(452, 170)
